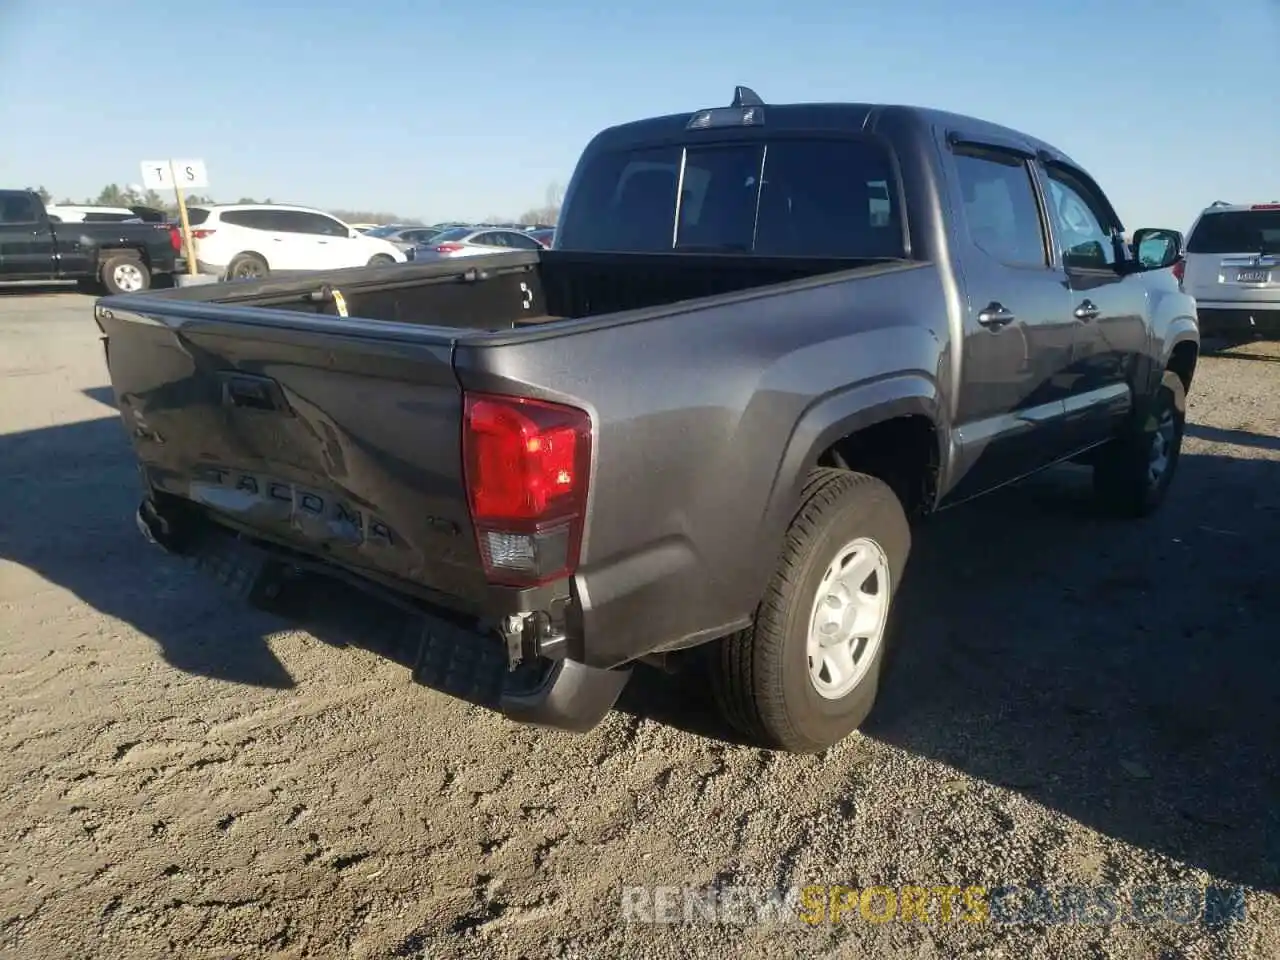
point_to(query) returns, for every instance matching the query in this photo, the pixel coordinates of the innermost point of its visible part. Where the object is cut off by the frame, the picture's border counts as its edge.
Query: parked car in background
(68, 213)
(241, 241)
(474, 241)
(704, 420)
(405, 237)
(365, 227)
(1232, 268)
(118, 255)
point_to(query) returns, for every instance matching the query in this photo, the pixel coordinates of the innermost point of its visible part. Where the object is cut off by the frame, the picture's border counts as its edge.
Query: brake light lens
(448, 247)
(1179, 270)
(201, 234)
(175, 238)
(1265, 206)
(527, 464)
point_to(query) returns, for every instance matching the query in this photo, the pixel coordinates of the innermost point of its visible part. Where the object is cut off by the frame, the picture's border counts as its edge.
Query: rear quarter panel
(706, 421)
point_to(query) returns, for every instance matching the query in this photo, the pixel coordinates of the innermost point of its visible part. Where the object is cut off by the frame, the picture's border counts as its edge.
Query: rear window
(453, 236)
(197, 215)
(804, 198)
(1236, 231)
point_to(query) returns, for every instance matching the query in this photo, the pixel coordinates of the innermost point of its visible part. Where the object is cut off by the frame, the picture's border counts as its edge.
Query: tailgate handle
(250, 392)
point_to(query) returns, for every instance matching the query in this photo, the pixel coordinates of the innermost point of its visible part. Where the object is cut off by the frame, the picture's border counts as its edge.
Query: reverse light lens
(527, 464)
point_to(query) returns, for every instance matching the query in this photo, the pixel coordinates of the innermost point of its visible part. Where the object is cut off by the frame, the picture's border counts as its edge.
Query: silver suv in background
(1232, 268)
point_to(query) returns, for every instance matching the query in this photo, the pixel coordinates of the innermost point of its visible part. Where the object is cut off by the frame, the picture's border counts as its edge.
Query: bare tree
(549, 212)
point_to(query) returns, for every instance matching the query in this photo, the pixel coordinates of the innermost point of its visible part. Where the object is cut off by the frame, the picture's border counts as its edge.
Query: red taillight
(201, 234)
(175, 238)
(527, 463)
(1179, 269)
(1265, 206)
(448, 247)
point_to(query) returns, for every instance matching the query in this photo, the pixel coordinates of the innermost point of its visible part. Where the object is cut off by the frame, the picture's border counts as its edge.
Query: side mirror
(1155, 248)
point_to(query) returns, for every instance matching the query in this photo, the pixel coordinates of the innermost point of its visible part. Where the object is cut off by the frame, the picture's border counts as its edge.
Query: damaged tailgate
(336, 438)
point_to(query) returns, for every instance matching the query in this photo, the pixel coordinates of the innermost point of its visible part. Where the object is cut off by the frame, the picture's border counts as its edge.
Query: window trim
(982, 150)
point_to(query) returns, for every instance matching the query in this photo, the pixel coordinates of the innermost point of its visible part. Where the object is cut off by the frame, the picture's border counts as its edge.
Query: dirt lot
(1078, 702)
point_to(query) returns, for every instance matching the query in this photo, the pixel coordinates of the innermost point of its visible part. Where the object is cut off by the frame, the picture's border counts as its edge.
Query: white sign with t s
(168, 174)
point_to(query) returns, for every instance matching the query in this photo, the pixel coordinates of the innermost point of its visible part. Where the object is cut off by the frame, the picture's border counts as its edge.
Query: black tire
(1123, 477)
(761, 675)
(247, 266)
(124, 273)
(381, 260)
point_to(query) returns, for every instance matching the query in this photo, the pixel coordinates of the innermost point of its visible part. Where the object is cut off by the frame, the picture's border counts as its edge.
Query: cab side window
(1081, 220)
(18, 208)
(1000, 208)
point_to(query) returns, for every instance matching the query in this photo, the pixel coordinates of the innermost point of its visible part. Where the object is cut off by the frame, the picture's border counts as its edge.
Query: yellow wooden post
(188, 243)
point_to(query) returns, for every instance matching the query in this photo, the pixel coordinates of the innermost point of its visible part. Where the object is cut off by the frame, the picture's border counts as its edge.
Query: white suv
(243, 241)
(1232, 268)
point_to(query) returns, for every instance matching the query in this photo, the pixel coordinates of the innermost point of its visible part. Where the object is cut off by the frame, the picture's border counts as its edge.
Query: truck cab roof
(849, 117)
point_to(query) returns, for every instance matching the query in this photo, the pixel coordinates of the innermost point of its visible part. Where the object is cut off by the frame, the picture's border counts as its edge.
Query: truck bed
(510, 290)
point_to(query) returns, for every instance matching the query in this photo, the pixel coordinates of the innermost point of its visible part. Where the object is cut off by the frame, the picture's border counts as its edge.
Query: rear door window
(788, 197)
(1000, 209)
(1236, 231)
(253, 219)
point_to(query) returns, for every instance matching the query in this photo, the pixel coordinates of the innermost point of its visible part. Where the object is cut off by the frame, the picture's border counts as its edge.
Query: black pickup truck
(767, 338)
(120, 257)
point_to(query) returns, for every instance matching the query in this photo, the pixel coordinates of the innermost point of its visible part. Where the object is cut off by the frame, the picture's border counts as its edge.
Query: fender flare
(831, 417)
(1181, 330)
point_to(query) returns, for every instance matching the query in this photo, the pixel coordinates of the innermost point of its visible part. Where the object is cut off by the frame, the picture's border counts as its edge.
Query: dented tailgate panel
(346, 449)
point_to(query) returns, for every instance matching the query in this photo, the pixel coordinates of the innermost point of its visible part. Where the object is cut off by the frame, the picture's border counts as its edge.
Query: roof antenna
(746, 97)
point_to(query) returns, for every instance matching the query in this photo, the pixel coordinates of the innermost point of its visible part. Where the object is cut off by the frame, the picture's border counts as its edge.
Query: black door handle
(995, 315)
(1087, 311)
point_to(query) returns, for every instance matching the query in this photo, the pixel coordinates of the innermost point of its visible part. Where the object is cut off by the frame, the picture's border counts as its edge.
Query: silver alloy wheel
(848, 620)
(127, 277)
(1161, 447)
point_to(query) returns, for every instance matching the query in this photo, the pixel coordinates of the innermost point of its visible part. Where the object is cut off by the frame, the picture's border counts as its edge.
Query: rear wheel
(247, 266)
(125, 273)
(806, 674)
(1132, 474)
(381, 260)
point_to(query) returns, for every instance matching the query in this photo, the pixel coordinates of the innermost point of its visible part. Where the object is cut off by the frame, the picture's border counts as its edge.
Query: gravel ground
(1078, 702)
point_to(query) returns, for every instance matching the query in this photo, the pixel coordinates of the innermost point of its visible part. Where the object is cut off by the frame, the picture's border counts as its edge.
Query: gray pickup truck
(768, 337)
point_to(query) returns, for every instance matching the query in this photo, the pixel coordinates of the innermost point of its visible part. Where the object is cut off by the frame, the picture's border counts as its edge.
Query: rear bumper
(467, 662)
(1261, 320)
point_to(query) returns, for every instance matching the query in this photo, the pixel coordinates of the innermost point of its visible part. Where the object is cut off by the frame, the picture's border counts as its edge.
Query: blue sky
(462, 110)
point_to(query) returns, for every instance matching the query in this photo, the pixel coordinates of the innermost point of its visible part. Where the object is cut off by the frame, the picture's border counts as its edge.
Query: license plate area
(1261, 275)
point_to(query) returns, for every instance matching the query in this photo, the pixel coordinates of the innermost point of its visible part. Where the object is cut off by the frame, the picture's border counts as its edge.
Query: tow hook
(153, 526)
(530, 636)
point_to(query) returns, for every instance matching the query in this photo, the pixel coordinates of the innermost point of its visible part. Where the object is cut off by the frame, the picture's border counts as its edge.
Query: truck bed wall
(503, 291)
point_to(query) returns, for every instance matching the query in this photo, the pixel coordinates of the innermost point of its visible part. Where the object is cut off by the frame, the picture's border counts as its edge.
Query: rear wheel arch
(858, 429)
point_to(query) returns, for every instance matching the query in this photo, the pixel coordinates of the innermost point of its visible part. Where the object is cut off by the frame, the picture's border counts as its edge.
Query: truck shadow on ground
(37, 289)
(1121, 673)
